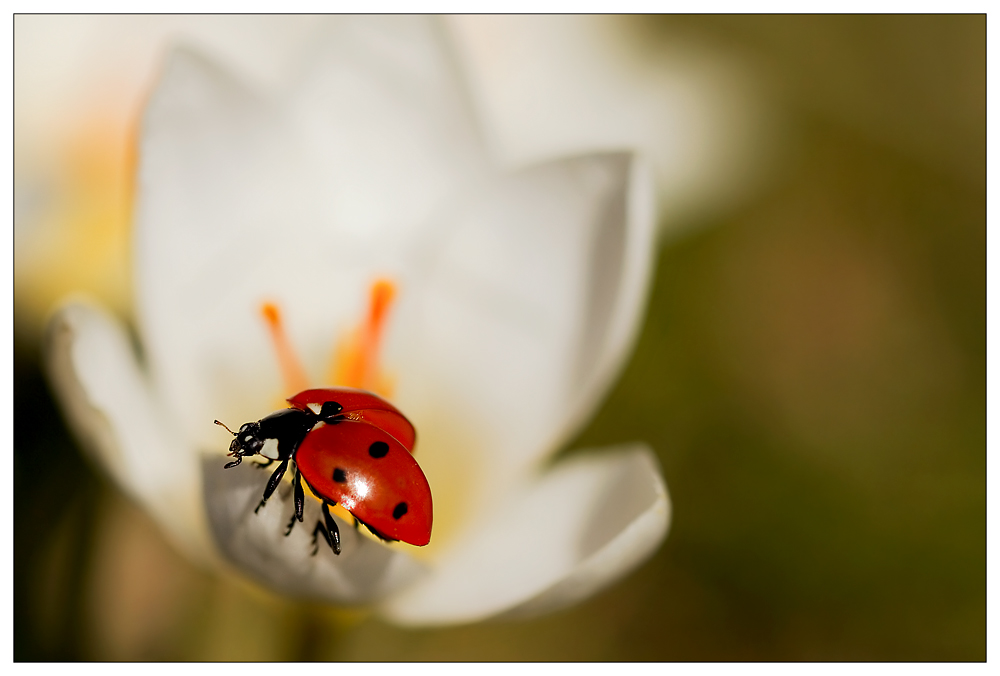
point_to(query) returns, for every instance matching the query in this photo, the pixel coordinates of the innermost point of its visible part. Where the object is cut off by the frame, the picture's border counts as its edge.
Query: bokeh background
(811, 374)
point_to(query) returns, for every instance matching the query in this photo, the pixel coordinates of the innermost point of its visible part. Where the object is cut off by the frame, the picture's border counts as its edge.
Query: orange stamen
(356, 361)
(291, 369)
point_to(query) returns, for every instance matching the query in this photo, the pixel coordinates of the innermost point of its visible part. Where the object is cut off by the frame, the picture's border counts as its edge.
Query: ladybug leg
(238, 460)
(320, 528)
(329, 531)
(300, 498)
(263, 465)
(331, 526)
(272, 483)
(300, 501)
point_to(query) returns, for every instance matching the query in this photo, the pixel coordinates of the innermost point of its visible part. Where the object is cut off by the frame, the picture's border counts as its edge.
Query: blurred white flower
(519, 296)
(543, 87)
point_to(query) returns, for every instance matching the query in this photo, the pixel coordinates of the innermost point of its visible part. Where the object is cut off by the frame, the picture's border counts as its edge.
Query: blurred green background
(811, 374)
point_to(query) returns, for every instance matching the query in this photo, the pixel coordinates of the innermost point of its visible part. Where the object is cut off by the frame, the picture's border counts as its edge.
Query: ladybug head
(245, 443)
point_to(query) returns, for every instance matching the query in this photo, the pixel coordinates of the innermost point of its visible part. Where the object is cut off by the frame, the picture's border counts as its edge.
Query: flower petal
(385, 114)
(546, 86)
(255, 541)
(529, 299)
(299, 197)
(576, 529)
(106, 398)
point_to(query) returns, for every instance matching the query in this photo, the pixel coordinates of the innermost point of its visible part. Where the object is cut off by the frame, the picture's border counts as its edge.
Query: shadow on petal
(365, 571)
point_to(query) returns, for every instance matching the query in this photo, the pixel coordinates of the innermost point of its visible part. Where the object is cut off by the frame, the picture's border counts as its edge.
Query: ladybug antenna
(224, 425)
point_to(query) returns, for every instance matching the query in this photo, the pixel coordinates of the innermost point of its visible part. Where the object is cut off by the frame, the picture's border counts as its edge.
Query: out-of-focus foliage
(811, 374)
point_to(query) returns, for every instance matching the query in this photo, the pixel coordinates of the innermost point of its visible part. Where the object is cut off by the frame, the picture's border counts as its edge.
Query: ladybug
(352, 448)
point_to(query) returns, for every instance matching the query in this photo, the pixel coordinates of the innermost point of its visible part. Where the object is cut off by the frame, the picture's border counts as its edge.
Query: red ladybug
(351, 447)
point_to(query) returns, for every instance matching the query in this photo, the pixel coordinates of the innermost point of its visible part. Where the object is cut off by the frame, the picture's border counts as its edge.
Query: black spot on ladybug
(339, 475)
(378, 449)
(399, 510)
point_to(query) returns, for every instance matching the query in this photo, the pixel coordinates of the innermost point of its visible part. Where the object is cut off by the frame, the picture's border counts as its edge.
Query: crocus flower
(358, 208)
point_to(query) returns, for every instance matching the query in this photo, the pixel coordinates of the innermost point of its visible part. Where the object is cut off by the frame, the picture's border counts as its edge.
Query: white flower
(518, 298)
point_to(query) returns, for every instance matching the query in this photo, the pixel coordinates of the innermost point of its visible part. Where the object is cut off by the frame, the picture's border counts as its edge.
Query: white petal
(529, 300)
(106, 397)
(387, 126)
(299, 198)
(621, 270)
(578, 528)
(364, 571)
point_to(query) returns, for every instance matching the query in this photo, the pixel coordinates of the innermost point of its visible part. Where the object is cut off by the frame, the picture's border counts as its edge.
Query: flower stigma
(355, 362)
(292, 373)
